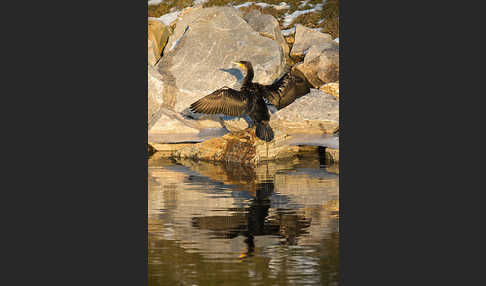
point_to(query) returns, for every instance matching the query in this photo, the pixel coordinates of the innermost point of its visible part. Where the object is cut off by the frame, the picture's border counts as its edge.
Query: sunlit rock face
(316, 112)
(332, 155)
(321, 65)
(197, 59)
(166, 125)
(321, 62)
(155, 100)
(152, 56)
(268, 26)
(305, 38)
(241, 147)
(331, 88)
(158, 34)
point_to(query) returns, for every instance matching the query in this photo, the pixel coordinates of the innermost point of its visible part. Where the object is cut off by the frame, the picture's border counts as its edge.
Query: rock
(197, 59)
(321, 65)
(333, 168)
(290, 40)
(152, 58)
(169, 125)
(316, 139)
(232, 123)
(166, 126)
(155, 90)
(172, 127)
(331, 88)
(209, 121)
(164, 149)
(158, 34)
(241, 147)
(305, 38)
(316, 112)
(332, 155)
(268, 26)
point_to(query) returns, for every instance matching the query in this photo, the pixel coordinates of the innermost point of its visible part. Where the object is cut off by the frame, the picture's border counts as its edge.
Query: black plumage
(286, 90)
(250, 99)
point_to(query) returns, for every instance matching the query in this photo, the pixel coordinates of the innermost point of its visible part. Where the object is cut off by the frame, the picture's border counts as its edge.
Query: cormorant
(286, 90)
(250, 99)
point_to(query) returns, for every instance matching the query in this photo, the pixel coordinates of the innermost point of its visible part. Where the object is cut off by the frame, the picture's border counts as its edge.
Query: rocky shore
(191, 56)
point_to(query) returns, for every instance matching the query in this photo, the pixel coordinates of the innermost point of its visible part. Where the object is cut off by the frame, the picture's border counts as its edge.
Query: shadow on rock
(234, 72)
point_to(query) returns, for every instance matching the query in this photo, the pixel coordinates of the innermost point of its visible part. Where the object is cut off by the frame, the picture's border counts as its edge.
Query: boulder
(158, 34)
(172, 127)
(331, 88)
(332, 155)
(233, 123)
(268, 26)
(197, 59)
(152, 57)
(316, 112)
(321, 65)
(305, 38)
(240, 147)
(155, 90)
(167, 126)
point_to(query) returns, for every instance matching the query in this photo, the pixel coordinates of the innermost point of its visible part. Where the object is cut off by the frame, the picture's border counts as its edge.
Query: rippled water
(223, 224)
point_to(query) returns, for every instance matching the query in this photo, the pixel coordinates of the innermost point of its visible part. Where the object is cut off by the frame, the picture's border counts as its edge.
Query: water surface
(225, 224)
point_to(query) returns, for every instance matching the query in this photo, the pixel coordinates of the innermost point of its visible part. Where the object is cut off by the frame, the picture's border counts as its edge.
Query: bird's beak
(237, 63)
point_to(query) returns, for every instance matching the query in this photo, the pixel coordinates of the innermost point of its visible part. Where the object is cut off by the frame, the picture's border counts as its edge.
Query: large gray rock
(316, 112)
(158, 34)
(167, 126)
(152, 58)
(321, 65)
(173, 127)
(155, 90)
(268, 26)
(305, 38)
(197, 58)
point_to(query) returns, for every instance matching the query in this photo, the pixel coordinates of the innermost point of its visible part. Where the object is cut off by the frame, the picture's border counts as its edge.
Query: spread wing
(286, 90)
(222, 101)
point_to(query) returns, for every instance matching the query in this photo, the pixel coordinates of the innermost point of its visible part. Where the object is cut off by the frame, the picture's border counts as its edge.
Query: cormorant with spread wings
(250, 99)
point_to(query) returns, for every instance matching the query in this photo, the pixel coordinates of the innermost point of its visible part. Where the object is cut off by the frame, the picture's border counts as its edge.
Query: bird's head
(245, 65)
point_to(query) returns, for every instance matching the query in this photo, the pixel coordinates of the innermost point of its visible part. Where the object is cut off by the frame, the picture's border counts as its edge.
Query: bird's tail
(264, 131)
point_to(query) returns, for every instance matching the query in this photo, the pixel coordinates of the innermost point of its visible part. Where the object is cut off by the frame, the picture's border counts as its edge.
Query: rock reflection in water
(224, 224)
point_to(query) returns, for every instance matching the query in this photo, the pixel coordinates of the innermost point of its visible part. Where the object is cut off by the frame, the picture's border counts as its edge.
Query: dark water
(223, 224)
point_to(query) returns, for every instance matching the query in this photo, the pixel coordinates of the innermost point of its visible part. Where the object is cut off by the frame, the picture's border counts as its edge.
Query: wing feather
(285, 90)
(225, 100)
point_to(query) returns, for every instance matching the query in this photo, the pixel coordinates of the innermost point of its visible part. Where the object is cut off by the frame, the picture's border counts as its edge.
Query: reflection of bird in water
(251, 98)
(253, 220)
(257, 214)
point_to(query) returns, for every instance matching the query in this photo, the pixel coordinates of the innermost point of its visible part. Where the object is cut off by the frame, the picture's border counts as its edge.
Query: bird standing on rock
(251, 98)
